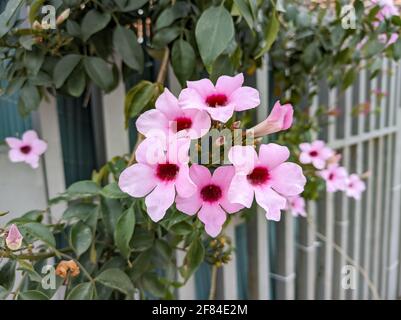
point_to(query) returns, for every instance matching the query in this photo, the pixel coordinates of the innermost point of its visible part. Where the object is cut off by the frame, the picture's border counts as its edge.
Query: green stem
(213, 283)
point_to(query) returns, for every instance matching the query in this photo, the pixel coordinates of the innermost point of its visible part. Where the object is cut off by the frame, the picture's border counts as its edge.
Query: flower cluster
(326, 161)
(164, 173)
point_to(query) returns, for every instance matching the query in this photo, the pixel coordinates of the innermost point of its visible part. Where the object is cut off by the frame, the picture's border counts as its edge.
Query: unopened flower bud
(236, 124)
(67, 266)
(14, 238)
(36, 25)
(63, 16)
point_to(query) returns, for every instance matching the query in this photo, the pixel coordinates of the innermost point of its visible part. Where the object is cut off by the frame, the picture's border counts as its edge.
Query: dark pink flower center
(217, 99)
(313, 153)
(25, 149)
(211, 193)
(258, 176)
(167, 171)
(183, 123)
(331, 176)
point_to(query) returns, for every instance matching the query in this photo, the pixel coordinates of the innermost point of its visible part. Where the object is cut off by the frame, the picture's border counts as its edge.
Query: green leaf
(7, 274)
(130, 5)
(214, 31)
(245, 10)
(30, 97)
(100, 73)
(64, 67)
(183, 60)
(73, 28)
(142, 264)
(26, 266)
(83, 291)
(152, 284)
(32, 295)
(85, 187)
(169, 15)
(35, 9)
(271, 33)
(349, 78)
(116, 279)
(222, 66)
(182, 228)
(124, 230)
(141, 97)
(27, 41)
(113, 191)
(39, 231)
(80, 238)
(33, 60)
(76, 83)
(93, 22)
(126, 43)
(164, 36)
(396, 49)
(111, 211)
(80, 211)
(194, 258)
(9, 14)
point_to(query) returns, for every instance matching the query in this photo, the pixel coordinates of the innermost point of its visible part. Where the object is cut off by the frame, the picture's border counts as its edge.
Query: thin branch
(161, 77)
(213, 283)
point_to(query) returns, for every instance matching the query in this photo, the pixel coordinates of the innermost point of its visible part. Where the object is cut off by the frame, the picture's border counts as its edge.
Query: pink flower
(316, 153)
(390, 40)
(355, 186)
(335, 177)
(162, 169)
(387, 9)
(27, 150)
(210, 201)
(14, 238)
(296, 205)
(280, 118)
(222, 100)
(266, 176)
(169, 118)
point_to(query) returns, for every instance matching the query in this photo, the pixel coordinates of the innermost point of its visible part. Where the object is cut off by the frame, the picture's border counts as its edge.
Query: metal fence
(345, 249)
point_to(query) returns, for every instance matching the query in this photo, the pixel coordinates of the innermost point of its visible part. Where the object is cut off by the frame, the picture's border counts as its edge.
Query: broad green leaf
(271, 33)
(124, 231)
(27, 41)
(100, 72)
(76, 83)
(39, 231)
(7, 274)
(83, 291)
(182, 228)
(349, 78)
(64, 67)
(85, 187)
(33, 60)
(152, 284)
(26, 266)
(116, 279)
(32, 295)
(142, 263)
(194, 258)
(141, 97)
(164, 36)
(142, 240)
(93, 22)
(113, 191)
(111, 211)
(245, 10)
(30, 97)
(183, 60)
(79, 211)
(130, 5)
(125, 41)
(396, 49)
(80, 238)
(214, 31)
(169, 15)
(9, 14)
(222, 66)
(73, 28)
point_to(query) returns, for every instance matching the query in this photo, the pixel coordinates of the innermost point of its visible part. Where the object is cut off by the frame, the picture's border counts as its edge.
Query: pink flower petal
(288, 179)
(152, 123)
(228, 85)
(200, 122)
(272, 155)
(204, 87)
(137, 180)
(150, 151)
(15, 155)
(222, 177)
(213, 217)
(245, 98)
(39, 147)
(222, 114)
(29, 136)
(13, 142)
(184, 185)
(33, 160)
(191, 99)
(244, 158)
(167, 103)
(271, 202)
(159, 200)
(200, 175)
(305, 158)
(240, 191)
(190, 205)
(305, 147)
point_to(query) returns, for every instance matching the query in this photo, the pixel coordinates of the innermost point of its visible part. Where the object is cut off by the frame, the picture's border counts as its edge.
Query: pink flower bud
(36, 25)
(280, 118)
(14, 238)
(63, 16)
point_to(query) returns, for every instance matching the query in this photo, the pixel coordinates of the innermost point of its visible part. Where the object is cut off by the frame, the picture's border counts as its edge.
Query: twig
(213, 283)
(161, 76)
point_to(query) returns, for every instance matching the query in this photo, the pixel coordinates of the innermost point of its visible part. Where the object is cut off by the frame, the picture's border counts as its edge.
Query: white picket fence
(311, 258)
